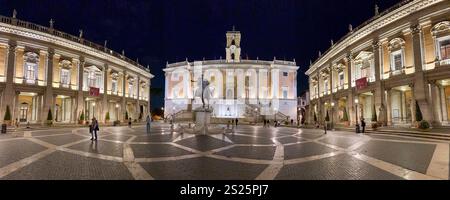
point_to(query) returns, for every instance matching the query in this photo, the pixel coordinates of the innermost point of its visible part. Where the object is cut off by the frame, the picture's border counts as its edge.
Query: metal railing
(51, 31)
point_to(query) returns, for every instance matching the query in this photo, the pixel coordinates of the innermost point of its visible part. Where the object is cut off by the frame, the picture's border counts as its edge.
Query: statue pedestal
(202, 120)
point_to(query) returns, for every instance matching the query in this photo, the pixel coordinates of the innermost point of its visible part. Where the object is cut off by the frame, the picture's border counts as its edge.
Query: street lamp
(256, 116)
(93, 110)
(117, 112)
(332, 116)
(356, 115)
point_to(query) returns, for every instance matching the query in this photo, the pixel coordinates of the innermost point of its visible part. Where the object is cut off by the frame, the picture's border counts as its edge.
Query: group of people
(361, 128)
(275, 123)
(94, 127)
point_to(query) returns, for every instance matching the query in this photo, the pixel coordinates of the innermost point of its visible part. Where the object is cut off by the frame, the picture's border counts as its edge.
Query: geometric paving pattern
(251, 152)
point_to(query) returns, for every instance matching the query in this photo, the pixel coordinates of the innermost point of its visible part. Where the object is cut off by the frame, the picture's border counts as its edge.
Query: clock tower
(233, 50)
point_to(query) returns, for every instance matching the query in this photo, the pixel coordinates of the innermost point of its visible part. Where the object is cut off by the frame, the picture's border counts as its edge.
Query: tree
(82, 116)
(315, 117)
(107, 118)
(374, 114)
(327, 118)
(345, 117)
(126, 114)
(7, 114)
(49, 115)
(419, 116)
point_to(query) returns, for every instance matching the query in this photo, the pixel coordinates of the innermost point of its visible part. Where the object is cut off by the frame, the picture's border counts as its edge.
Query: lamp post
(93, 110)
(256, 116)
(117, 112)
(332, 116)
(356, 115)
(163, 116)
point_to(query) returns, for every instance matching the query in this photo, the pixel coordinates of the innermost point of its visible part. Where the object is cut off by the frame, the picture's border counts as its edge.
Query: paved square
(252, 152)
(238, 139)
(343, 142)
(304, 156)
(156, 138)
(100, 147)
(412, 156)
(203, 169)
(305, 150)
(157, 150)
(203, 143)
(15, 150)
(59, 140)
(341, 167)
(290, 140)
(67, 166)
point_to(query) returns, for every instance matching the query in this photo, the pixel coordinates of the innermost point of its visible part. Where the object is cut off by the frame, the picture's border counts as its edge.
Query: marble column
(413, 105)
(436, 103)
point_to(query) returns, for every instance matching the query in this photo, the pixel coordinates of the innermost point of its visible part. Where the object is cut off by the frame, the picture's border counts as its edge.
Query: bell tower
(233, 50)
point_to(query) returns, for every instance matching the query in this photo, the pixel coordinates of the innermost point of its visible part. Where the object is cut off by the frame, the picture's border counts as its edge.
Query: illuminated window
(444, 49)
(341, 79)
(114, 86)
(65, 77)
(396, 60)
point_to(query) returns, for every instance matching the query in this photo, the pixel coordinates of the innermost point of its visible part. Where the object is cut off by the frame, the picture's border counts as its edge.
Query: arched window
(397, 54)
(233, 42)
(30, 68)
(441, 33)
(232, 56)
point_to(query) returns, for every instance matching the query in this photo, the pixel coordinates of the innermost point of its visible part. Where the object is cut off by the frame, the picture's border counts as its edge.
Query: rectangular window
(325, 87)
(30, 75)
(130, 90)
(341, 80)
(65, 77)
(444, 49)
(114, 86)
(285, 92)
(285, 74)
(397, 60)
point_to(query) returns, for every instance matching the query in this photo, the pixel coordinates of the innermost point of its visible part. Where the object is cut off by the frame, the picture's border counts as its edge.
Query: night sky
(163, 31)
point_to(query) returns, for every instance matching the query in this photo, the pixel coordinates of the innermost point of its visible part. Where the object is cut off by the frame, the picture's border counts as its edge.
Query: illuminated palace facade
(396, 59)
(251, 90)
(44, 69)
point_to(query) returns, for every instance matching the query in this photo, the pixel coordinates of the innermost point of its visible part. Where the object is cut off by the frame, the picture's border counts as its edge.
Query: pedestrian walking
(148, 124)
(94, 128)
(265, 123)
(237, 121)
(129, 122)
(363, 125)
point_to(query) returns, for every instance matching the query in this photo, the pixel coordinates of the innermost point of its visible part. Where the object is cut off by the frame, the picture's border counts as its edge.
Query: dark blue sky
(160, 31)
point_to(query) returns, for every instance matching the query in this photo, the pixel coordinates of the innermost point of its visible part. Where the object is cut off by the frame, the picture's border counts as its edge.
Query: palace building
(251, 90)
(44, 69)
(398, 59)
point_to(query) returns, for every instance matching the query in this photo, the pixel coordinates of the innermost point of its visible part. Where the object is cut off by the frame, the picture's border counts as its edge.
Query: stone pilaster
(48, 94)
(80, 93)
(8, 92)
(420, 84)
(388, 107)
(138, 108)
(105, 94)
(124, 99)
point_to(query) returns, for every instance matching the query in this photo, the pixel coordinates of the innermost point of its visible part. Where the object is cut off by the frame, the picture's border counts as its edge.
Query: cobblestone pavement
(249, 153)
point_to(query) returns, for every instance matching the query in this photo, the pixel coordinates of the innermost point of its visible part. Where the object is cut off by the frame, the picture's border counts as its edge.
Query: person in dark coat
(363, 125)
(95, 128)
